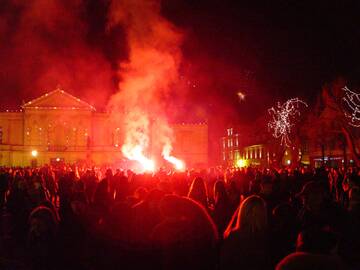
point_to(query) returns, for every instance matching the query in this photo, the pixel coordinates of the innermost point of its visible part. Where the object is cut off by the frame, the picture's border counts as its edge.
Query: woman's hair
(198, 191)
(251, 217)
(220, 192)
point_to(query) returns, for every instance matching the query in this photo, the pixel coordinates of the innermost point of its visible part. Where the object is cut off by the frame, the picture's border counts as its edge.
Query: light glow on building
(241, 163)
(34, 153)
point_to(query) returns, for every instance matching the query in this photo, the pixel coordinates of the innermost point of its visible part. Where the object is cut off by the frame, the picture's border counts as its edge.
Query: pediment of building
(58, 99)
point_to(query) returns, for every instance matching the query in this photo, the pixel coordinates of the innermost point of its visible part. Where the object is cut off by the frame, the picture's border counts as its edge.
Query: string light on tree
(283, 117)
(351, 108)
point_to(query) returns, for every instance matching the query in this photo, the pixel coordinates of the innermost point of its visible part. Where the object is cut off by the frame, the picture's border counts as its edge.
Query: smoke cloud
(45, 43)
(146, 76)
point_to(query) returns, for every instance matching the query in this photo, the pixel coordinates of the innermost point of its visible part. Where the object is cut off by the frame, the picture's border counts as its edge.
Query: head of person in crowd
(317, 241)
(140, 193)
(302, 261)
(266, 185)
(251, 217)
(313, 196)
(198, 191)
(179, 208)
(220, 194)
(354, 199)
(43, 226)
(186, 235)
(108, 173)
(283, 217)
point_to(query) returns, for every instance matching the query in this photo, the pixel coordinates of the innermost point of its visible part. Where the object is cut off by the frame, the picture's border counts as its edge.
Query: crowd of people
(249, 218)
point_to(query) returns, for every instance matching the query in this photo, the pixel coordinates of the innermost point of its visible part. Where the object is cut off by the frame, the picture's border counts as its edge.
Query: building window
(237, 155)
(116, 139)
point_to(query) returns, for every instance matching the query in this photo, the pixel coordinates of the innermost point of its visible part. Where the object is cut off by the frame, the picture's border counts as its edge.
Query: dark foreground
(67, 218)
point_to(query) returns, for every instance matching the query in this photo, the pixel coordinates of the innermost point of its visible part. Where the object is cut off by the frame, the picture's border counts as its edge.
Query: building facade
(58, 127)
(243, 146)
(238, 150)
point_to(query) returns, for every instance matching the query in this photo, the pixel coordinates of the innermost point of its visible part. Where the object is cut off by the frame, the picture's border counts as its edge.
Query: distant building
(238, 151)
(58, 127)
(246, 146)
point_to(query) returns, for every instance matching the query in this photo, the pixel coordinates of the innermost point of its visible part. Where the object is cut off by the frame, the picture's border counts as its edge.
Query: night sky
(269, 51)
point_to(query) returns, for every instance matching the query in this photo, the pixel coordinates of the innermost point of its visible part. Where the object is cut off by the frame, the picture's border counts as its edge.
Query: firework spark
(283, 116)
(241, 96)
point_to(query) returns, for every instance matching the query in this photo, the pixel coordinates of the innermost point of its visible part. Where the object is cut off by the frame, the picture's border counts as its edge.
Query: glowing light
(136, 153)
(282, 117)
(352, 107)
(288, 162)
(57, 159)
(179, 164)
(241, 96)
(34, 153)
(241, 163)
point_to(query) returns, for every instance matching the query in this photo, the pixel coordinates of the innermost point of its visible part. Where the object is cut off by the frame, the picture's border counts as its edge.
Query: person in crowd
(4, 185)
(350, 242)
(234, 194)
(187, 236)
(289, 218)
(222, 211)
(318, 211)
(198, 192)
(304, 261)
(246, 237)
(42, 238)
(283, 231)
(146, 215)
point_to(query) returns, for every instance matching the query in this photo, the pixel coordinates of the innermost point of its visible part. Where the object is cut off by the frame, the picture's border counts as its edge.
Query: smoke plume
(146, 76)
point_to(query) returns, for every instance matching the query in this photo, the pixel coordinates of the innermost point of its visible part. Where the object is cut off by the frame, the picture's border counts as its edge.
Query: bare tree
(327, 122)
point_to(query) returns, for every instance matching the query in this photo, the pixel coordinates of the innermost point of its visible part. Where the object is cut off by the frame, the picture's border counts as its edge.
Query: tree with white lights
(335, 119)
(283, 118)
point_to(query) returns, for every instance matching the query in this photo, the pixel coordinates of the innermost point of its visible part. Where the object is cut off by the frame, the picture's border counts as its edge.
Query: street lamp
(34, 153)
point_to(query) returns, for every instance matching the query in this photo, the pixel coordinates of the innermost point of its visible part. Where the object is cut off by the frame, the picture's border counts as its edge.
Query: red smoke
(44, 43)
(147, 75)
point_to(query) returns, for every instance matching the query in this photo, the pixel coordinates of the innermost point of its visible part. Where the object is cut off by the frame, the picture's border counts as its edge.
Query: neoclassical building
(58, 127)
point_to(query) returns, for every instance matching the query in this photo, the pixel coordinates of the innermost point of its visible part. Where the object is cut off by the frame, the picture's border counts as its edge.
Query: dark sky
(270, 51)
(290, 48)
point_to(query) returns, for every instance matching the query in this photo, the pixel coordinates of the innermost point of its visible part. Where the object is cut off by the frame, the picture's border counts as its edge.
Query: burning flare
(136, 153)
(137, 139)
(179, 164)
(146, 77)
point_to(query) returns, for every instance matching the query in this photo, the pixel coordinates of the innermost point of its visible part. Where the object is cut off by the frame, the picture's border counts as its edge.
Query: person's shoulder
(304, 260)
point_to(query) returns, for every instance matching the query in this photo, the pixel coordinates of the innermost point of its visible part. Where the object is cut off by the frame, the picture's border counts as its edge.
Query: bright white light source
(34, 153)
(178, 164)
(241, 96)
(241, 163)
(57, 159)
(288, 162)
